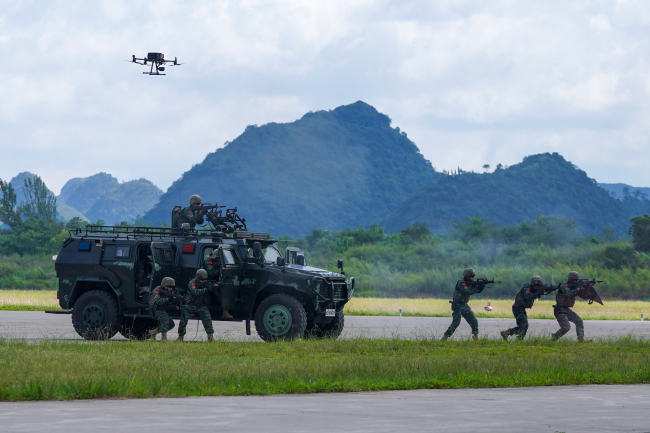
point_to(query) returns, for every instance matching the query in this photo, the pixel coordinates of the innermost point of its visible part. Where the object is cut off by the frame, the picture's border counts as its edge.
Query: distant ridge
(544, 184)
(331, 169)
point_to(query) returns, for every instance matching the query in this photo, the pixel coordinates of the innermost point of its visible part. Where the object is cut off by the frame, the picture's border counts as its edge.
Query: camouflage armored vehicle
(105, 275)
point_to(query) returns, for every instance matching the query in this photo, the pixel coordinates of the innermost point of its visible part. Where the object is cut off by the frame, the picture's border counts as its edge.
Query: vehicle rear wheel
(332, 329)
(137, 328)
(280, 317)
(96, 315)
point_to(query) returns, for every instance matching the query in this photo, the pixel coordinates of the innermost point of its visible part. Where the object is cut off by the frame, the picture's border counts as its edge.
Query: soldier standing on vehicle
(524, 299)
(459, 306)
(197, 300)
(158, 303)
(213, 267)
(192, 214)
(565, 299)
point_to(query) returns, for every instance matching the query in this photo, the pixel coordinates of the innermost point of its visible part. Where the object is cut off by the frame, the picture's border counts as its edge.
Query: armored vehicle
(105, 275)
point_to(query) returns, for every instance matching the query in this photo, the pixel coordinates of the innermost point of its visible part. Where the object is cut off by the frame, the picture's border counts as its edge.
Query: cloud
(471, 82)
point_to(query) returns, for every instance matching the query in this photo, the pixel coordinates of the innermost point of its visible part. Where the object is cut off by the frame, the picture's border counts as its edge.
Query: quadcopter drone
(157, 60)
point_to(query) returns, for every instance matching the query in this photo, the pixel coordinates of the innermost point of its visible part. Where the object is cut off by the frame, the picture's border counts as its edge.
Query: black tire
(96, 315)
(137, 328)
(332, 329)
(280, 317)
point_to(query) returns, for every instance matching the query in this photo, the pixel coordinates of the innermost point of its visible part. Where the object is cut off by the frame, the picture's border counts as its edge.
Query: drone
(157, 60)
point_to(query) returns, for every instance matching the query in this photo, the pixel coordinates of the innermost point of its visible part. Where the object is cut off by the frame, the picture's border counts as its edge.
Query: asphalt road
(571, 409)
(35, 325)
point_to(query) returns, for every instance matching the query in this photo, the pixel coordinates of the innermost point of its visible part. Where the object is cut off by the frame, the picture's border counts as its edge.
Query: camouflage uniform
(459, 306)
(524, 299)
(190, 215)
(196, 302)
(227, 292)
(565, 299)
(158, 304)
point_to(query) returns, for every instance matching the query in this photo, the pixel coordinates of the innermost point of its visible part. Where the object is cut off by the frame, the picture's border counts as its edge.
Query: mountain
(82, 193)
(126, 202)
(64, 211)
(619, 191)
(331, 169)
(544, 184)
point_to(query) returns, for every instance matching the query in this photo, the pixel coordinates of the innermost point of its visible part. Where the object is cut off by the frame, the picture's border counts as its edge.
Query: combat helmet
(536, 280)
(573, 275)
(201, 274)
(469, 272)
(195, 199)
(167, 282)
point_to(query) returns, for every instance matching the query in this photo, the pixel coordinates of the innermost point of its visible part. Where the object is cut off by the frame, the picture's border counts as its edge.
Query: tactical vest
(152, 300)
(562, 300)
(197, 299)
(521, 301)
(460, 297)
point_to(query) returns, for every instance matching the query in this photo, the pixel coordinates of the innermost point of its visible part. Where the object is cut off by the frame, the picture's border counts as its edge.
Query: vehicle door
(164, 262)
(231, 269)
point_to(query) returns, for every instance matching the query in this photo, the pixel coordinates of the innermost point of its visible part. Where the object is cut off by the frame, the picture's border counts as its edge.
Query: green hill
(544, 184)
(125, 202)
(82, 193)
(331, 169)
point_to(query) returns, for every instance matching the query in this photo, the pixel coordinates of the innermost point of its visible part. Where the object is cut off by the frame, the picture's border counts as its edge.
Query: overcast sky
(471, 82)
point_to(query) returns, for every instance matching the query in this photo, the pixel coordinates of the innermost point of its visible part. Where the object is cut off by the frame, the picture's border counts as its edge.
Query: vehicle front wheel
(137, 328)
(280, 317)
(96, 315)
(332, 329)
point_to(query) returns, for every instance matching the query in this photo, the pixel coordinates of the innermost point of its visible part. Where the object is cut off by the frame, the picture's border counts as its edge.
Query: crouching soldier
(197, 300)
(565, 299)
(158, 303)
(192, 214)
(228, 293)
(524, 299)
(459, 306)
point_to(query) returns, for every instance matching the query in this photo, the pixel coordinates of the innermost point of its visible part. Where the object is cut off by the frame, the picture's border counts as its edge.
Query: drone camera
(162, 68)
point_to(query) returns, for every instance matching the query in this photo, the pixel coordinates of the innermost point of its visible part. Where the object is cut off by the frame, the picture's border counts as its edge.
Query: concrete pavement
(574, 409)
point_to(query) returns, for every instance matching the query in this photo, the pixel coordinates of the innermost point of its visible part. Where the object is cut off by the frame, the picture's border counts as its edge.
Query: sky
(470, 82)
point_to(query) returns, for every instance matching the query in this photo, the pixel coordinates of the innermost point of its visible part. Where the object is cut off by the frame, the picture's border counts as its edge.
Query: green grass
(55, 370)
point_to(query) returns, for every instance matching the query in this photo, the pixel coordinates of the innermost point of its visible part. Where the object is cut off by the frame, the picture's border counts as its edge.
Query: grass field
(50, 370)
(39, 300)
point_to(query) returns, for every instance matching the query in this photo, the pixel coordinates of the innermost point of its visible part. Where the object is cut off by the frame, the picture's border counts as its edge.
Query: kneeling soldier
(459, 306)
(524, 299)
(565, 299)
(158, 303)
(196, 302)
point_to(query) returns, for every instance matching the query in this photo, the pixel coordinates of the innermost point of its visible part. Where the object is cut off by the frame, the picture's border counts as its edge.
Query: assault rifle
(481, 281)
(206, 285)
(175, 297)
(586, 289)
(544, 290)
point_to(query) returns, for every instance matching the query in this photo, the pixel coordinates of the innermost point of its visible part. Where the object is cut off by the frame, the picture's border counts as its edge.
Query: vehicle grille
(340, 291)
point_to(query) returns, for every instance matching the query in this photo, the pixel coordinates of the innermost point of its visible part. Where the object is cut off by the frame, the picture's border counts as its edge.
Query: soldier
(524, 299)
(191, 214)
(158, 303)
(197, 300)
(565, 299)
(213, 267)
(459, 306)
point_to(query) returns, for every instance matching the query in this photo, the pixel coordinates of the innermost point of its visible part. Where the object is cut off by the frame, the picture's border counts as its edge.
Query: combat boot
(210, 338)
(444, 338)
(180, 338)
(504, 335)
(582, 340)
(153, 333)
(475, 337)
(163, 337)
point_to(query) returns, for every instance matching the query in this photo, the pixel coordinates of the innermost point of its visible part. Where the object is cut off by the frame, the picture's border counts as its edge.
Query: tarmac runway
(574, 409)
(35, 325)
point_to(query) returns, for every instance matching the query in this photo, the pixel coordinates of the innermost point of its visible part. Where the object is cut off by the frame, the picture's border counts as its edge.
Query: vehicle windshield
(271, 254)
(229, 256)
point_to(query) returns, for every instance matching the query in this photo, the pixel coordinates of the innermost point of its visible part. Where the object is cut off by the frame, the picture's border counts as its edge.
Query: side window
(165, 255)
(168, 255)
(122, 251)
(229, 256)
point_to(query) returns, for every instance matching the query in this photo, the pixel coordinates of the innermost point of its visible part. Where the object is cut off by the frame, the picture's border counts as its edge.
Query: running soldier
(192, 214)
(196, 302)
(565, 299)
(524, 299)
(158, 303)
(459, 306)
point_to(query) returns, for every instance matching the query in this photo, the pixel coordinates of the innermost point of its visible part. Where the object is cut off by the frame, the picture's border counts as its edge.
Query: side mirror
(280, 261)
(300, 260)
(340, 264)
(257, 250)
